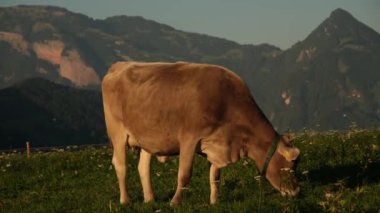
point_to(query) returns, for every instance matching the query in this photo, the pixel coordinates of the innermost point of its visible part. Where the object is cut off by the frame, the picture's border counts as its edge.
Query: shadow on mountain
(48, 114)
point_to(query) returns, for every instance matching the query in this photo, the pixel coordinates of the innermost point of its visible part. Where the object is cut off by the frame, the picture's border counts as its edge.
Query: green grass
(337, 172)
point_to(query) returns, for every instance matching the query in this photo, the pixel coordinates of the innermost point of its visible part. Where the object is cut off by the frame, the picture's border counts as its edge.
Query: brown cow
(183, 108)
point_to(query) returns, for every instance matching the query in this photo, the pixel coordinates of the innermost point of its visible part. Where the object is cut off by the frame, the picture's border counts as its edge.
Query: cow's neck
(260, 131)
(261, 139)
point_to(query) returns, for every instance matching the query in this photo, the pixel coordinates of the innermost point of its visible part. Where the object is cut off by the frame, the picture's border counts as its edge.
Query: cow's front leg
(144, 172)
(184, 171)
(214, 180)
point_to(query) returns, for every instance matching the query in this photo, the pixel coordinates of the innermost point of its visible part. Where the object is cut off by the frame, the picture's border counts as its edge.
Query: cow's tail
(112, 114)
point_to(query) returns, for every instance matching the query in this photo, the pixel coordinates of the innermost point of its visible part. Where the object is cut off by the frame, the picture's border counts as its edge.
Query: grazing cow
(184, 108)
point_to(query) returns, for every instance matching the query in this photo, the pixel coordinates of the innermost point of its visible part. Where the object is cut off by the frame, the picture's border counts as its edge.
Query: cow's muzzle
(289, 185)
(292, 193)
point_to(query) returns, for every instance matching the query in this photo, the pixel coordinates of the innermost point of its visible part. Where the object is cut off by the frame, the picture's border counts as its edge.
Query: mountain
(49, 114)
(327, 81)
(330, 80)
(66, 47)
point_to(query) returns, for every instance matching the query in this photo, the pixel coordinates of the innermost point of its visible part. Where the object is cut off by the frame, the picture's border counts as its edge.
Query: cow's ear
(288, 138)
(289, 153)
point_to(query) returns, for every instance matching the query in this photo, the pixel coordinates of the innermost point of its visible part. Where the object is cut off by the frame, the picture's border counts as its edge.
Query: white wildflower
(258, 178)
(329, 195)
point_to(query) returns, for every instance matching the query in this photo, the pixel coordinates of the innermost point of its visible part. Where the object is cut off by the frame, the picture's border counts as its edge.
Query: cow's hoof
(125, 201)
(175, 203)
(149, 200)
(213, 202)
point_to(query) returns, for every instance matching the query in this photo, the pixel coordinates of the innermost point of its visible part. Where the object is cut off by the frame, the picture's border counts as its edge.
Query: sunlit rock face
(49, 51)
(73, 68)
(71, 65)
(16, 40)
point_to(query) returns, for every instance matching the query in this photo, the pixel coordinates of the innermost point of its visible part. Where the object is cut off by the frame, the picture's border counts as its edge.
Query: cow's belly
(161, 147)
(166, 146)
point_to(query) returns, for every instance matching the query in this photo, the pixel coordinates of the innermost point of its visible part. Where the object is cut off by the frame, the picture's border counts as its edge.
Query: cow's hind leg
(214, 180)
(118, 137)
(186, 156)
(117, 134)
(144, 171)
(120, 164)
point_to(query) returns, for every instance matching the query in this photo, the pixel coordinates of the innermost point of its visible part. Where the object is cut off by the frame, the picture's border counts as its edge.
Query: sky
(278, 22)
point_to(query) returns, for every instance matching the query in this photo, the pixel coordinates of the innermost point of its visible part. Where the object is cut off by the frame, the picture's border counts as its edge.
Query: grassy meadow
(337, 172)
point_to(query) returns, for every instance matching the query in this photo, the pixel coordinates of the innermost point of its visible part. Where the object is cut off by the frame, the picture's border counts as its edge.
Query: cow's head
(280, 171)
(280, 167)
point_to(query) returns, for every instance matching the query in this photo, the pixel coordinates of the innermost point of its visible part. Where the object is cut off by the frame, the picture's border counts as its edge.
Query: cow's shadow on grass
(352, 175)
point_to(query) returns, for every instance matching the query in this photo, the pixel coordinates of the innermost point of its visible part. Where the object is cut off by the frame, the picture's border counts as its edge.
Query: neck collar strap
(270, 154)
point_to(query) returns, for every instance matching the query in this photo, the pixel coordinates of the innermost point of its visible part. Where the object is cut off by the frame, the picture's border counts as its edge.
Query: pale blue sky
(278, 22)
